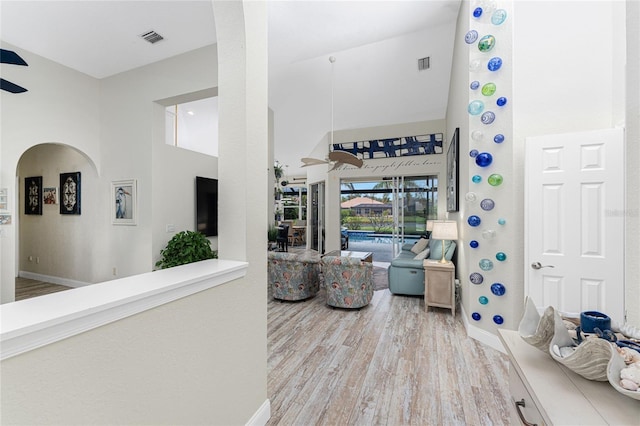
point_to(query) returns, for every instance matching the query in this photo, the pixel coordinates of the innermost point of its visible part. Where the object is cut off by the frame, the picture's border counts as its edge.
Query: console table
(439, 285)
(544, 391)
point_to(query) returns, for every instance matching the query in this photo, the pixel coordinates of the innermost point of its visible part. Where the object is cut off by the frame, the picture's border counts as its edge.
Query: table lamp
(445, 230)
(430, 227)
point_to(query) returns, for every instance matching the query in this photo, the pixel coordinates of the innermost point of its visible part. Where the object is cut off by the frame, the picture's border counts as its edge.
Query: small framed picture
(33, 195)
(50, 195)
(70, 193)
(123, 202)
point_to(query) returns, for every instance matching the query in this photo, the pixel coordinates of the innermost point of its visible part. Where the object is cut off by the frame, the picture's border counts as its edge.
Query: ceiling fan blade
(11, 87)
(345, 157)
(312, 161)
(11, 57)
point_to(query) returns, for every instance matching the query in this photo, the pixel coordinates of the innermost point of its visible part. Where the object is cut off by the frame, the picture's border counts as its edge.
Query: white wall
(200, 359)
(303, 111)
(130, 141)
(61, 106)
(632, 248)
(136, 144)
(563, 79)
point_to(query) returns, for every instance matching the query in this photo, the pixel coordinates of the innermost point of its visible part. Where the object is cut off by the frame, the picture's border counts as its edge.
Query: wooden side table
(439, 285)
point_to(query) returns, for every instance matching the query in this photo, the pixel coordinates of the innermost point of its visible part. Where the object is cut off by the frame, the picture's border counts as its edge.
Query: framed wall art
(70, 193)
(33, 195)
(50, 195)
(453, 172)
(123, 202)
(393, 147)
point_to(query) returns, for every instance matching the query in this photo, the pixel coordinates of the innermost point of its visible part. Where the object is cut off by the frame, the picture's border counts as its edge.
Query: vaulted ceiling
(376, 45)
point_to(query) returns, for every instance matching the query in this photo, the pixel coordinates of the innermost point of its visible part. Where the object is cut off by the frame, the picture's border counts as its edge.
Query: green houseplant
(186, 247)
(272, 233)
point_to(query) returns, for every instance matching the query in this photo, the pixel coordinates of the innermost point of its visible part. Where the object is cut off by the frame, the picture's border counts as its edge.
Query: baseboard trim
(53, 280)
(481, 335)
(262, 416)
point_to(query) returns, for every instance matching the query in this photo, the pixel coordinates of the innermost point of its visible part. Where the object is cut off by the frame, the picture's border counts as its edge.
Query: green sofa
(406, 274)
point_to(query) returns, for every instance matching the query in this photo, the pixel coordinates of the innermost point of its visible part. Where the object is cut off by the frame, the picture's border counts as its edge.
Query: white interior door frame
(574, 240)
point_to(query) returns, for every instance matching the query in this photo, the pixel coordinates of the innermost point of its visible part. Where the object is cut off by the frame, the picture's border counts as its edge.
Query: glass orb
(471, 36)
(473, 220)
(501, 101)
(501, 256)
(488, 234)
(474, 65)
(476, 179)
(473, 153)
(474, 244)
(483, 300)
(477, 12)
(494, 64)
(498, 289)
(487, 204)
(487, 117)
(499, 138)
(489, 89)
(477, 135)
(471, 197)
(488, 6)
(485, 264)
(498, 319)
(498, 17)
(475, 107)
(476, 278)
(486, 43)
(484, 159)
(476, 316)
(474, 85)
(495, 179)
(501, 221)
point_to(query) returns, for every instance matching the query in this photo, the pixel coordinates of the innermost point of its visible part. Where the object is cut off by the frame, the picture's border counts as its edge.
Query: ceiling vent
(424, 63)
(152, 37)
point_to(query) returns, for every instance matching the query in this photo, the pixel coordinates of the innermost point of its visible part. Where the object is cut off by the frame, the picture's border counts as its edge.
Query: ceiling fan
(338, 158)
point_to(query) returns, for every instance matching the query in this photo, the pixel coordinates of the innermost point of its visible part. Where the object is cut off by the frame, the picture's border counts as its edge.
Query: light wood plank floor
(27, 288)
(387, 364)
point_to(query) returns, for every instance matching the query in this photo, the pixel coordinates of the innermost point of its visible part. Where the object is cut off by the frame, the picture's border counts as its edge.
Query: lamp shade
(430, 225)
(445, 230)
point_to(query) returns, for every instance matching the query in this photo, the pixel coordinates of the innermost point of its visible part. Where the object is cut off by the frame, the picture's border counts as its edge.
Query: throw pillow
(422, 255)
(420, 245)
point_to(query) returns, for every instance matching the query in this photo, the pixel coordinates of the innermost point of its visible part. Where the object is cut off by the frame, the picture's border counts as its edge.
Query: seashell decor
(535, 330)
(617, 378)
(589, 359)
(594, 359)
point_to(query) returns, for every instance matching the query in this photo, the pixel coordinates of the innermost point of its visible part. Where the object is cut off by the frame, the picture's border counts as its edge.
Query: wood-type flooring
(27, 288)
(390, 363)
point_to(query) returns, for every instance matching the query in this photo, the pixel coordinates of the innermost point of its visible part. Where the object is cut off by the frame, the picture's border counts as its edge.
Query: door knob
(538, 265)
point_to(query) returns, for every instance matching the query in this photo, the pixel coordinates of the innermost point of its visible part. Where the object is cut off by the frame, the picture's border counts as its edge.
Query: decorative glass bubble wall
(490, 128)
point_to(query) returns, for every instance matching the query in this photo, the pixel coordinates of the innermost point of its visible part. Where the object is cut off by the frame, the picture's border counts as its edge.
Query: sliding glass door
(384, 214)
(317, 217)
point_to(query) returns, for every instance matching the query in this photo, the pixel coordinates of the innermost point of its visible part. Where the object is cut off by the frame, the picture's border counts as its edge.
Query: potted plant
(272, 235)
(186, 247)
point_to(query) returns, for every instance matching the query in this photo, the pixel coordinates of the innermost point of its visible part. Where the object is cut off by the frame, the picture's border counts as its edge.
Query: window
(193, 125)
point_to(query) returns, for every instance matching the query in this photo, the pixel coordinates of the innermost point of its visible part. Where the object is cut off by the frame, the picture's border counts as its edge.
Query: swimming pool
(372, 237)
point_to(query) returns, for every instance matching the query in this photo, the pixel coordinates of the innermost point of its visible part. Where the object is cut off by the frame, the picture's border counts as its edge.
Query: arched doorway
(55, 240)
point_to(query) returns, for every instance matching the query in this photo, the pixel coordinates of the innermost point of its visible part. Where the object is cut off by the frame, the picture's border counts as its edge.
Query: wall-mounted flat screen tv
(207, 206)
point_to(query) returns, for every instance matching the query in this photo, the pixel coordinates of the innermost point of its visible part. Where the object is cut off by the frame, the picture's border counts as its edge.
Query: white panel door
(574, 222)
